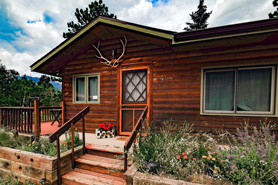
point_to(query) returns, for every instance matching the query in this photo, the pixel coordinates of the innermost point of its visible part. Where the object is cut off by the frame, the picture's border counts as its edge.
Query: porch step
(85, 177)
(104, 152)
(105, 165)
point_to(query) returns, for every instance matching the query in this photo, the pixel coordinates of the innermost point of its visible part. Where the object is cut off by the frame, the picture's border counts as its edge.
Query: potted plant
(105, 130)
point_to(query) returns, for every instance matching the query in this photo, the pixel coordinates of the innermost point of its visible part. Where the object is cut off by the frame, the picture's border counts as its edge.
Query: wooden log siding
(176, 77)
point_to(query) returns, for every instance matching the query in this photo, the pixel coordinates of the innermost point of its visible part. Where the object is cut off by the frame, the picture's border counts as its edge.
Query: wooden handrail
(56, 135)
(67, 125)
(133, 135)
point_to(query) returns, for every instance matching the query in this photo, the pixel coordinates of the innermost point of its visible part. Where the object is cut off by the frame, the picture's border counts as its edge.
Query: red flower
(183, 153)
(178, 157)
(185, 161)
(194, 159)
(185, 157)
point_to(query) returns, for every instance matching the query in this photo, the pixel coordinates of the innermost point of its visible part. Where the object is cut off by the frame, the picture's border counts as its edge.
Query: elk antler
(113, 62)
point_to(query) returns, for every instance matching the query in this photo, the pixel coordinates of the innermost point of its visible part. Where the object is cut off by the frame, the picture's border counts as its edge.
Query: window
(86, 88)
(239, 90)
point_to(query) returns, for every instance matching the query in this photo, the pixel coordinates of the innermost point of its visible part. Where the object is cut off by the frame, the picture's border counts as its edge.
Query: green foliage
(41, 147)
(12, 181)
(253, 155)
(175, 151)
(199, 18)
(17, 91)
(95, 9)
(275, 13)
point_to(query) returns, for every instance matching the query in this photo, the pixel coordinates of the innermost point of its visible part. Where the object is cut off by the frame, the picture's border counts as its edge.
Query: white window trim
(241, 113)
(86, 76)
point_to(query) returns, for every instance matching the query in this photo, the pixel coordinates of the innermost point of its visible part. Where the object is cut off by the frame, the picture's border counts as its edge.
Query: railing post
(72, 146)
(63, 113)
(125, 161)
(58, 160)
(37, 119)
(83, 133)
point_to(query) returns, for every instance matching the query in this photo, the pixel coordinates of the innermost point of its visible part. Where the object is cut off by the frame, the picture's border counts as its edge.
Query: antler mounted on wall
(113, 62)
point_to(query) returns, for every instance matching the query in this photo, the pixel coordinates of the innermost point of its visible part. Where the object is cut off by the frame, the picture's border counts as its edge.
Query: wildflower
(210, 148)
(194, 159)
(36, 147)
(221, 161)
(209, 157)
(185, 161)
(178, 157)
(183, 153)
(29, 145)
(185, 157)
(65, 142)
(204, 156)
(213, 159)
(33, 142)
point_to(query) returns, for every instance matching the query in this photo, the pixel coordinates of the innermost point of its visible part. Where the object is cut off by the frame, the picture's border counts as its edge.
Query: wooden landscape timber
(27, 166)
(175, 64)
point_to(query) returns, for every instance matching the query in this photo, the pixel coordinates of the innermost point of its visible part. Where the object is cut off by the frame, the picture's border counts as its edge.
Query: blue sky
(30, 28)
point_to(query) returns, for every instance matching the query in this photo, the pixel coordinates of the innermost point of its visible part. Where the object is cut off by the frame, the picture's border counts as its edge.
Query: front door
(134, 97)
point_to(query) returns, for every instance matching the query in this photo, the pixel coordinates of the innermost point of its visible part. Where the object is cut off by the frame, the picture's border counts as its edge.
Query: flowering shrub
(42, 146)
(253, 156)
(176, 152)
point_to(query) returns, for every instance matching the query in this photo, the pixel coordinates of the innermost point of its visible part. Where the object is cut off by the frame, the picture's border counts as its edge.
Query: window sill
(240, 115)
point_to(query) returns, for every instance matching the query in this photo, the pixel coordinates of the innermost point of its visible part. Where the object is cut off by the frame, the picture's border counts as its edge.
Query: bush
(41, 147)
(253, 155)
(176, 153)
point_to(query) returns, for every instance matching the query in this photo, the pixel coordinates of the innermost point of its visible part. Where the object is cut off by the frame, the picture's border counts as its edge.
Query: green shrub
(41, 147)
(176, 152)
(253, 155)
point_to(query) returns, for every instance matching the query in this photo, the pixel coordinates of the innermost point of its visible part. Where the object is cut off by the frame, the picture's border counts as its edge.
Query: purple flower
(260, 148)
(233, 167)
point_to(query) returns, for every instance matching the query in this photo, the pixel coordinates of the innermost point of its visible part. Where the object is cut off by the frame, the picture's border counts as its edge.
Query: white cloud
(39, 38)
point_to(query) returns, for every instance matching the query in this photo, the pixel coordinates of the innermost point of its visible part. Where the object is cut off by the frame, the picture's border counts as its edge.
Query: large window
(86, 88)
(239, 90)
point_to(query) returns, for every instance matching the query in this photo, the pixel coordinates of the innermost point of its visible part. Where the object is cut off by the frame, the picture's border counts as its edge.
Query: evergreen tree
(199, 18)
(275, 13)
(96, 8)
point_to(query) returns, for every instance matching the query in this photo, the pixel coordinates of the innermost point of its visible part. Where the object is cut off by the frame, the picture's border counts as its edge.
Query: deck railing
(45, 113)
(18, 118)
(133, 135)
(56, 136)
(23, 119)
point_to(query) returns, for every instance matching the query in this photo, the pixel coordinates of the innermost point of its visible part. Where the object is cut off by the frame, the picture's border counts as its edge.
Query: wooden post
(125, 162)
(37, 118)
(58, 160)
(83, 133)
(72, 145)
(63, 113)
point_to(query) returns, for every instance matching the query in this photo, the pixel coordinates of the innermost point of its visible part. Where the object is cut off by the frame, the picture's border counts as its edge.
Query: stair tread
(101, 161)
(104, 148)
(86, 177)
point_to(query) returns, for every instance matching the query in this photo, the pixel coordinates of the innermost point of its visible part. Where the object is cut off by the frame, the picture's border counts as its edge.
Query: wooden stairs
(97, 166)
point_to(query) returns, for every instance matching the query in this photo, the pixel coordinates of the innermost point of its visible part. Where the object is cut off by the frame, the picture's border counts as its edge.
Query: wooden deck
(47, 128)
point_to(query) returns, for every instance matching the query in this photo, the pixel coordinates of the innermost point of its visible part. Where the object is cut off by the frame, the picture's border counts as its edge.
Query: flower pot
(101, 133)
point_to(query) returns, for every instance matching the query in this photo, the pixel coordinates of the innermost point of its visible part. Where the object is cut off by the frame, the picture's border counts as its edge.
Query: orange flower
(183, 153)
(185, 157)
(178, 157)
(185, 161)
(194, 159)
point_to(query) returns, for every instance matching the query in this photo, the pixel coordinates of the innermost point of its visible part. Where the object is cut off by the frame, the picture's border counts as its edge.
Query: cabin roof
(248, 28)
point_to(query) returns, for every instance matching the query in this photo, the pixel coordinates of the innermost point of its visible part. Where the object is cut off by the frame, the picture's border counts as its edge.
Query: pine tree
(199, 18)
(96, 8)
(275, 13)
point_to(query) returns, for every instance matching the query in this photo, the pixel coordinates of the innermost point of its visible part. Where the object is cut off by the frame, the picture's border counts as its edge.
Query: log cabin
(215, 78)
